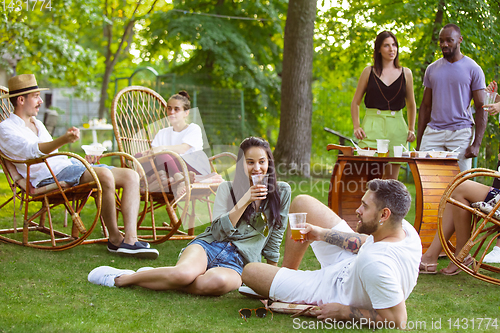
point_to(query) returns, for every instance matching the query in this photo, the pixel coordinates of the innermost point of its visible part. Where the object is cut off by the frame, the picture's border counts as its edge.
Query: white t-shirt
(380, 276)
(383, 274)
(194, 156)
(191, 136)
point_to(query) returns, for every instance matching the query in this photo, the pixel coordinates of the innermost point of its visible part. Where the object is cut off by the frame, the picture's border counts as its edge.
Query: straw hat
(22, 84)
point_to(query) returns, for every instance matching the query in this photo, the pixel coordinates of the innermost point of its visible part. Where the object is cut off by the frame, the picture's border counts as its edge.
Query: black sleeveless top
(382, 97)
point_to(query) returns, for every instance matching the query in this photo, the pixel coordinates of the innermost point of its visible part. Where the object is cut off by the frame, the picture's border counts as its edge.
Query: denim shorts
(70, 174)
(221, 254)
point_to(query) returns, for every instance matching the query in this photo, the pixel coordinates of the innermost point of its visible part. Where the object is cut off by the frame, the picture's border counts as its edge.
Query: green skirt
(389, 125)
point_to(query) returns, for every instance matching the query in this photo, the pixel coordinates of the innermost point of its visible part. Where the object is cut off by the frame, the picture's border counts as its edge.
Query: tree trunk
(293, 149)
(436, 27)
(104, 90)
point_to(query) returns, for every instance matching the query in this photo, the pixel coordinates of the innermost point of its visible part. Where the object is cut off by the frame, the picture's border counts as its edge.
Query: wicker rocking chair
(138, 113)
(484, 232)
(43, 224)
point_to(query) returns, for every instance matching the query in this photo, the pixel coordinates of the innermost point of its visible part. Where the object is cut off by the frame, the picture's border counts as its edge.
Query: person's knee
(106, 179)
(251, 273)
(302, 203)
(221, 284)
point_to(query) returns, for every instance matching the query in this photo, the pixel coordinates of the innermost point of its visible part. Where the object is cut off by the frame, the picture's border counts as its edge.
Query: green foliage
(344, 46)
(227, 53)
(47, 43)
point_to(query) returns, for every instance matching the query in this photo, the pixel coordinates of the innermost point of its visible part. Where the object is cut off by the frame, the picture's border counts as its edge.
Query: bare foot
(180, 186)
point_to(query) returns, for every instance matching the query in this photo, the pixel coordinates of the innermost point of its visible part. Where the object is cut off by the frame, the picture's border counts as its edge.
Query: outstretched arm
(350, 241)
(71, 135)
(394, 317)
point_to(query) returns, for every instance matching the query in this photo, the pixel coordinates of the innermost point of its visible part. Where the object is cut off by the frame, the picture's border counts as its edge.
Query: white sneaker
(247, 291)
(142, 269)
(105, 275)
(493, 257)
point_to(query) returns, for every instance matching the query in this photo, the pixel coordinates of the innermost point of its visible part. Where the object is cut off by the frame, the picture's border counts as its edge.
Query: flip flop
(424, 268)
(467, 262)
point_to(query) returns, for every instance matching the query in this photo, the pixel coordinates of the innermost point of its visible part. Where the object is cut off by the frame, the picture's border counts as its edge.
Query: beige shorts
(445, 140)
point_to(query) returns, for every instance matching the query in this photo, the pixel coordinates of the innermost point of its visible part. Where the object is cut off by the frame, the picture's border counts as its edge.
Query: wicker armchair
(484, 231)
(43, 225)
(137, 114)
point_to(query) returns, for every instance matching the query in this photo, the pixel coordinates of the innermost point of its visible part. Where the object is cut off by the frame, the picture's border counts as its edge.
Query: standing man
(22, 137)
(445, 119)
(365, 277)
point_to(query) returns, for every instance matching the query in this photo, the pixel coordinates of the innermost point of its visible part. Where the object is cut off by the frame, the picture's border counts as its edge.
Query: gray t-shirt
(452, 85)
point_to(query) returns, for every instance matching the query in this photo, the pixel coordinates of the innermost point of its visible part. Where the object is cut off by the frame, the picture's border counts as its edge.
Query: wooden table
(351, 173)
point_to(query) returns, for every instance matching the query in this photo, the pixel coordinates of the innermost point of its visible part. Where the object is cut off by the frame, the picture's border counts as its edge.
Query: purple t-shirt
(452, 85)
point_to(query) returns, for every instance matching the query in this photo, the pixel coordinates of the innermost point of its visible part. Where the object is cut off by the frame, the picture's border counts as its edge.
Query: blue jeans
(71, 174)
(221, 254)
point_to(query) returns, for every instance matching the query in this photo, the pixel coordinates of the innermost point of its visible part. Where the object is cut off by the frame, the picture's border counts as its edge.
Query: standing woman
(249, 223)
(387, 88)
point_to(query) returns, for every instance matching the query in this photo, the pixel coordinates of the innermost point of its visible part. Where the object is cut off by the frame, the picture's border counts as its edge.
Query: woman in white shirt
(181, 137)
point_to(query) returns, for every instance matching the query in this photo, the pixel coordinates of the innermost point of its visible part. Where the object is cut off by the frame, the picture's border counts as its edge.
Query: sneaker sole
(250, 293)
(141, 254)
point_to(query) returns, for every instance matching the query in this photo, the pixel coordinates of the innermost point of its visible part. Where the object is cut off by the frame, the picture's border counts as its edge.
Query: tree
(224, 44)
(293, 149)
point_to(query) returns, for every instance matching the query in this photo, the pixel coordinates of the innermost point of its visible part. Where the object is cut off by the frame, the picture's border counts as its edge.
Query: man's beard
(367, 227)
(451, 53)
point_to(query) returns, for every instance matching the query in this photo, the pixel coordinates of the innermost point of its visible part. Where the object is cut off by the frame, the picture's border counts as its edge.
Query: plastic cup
(93, 150)
(382, 147)
(489, 97)
(398, 151)
(297, 223)
(260, 179)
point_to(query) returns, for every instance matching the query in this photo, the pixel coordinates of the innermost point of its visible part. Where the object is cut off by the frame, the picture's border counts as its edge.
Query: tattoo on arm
(356, 314)
(346, 241)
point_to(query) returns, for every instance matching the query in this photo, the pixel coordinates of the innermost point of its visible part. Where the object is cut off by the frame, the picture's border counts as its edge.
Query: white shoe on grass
(247, 291)
(105, 275)
(142, 269)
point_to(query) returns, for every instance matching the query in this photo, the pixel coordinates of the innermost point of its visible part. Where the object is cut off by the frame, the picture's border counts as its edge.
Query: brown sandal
(425, 268)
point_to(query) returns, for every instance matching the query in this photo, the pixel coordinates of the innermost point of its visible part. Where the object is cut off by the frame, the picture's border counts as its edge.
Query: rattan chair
(484, 233)
(137, 114)
(43, 225)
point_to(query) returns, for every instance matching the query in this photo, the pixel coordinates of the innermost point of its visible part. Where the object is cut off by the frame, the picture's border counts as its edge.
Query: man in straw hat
(22, 136)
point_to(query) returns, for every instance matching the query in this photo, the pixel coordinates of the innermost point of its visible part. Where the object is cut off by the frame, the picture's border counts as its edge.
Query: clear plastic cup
(297, 223)
(260, 179)
(398, 151)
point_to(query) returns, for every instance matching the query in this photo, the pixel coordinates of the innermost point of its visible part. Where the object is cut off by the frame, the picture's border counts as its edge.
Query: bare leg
(259, 277)
(469, 192)
(215, 282)
(434, 250)
(108, 208)
(191, 264)
(317, 214)
(391, 171)
(128, 180)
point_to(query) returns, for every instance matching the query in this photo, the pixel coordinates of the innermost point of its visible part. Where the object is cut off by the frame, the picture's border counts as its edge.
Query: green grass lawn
(44, 291)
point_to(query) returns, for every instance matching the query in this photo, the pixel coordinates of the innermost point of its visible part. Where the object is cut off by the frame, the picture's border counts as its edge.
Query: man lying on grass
(363, 278)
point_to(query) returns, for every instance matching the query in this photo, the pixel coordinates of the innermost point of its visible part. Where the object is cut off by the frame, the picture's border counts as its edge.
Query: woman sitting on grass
(249, 223)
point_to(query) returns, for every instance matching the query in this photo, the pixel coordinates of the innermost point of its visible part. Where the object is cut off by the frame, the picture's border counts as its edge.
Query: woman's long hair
(241, 182)
(377, 57)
